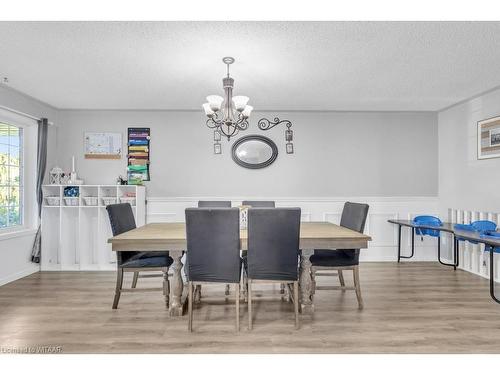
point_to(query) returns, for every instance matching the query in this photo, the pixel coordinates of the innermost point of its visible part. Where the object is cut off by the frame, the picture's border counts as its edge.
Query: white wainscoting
(384, 235)
(472, 256)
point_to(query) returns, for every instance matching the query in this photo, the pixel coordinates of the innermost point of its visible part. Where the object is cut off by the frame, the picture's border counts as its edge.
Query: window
(11, 176)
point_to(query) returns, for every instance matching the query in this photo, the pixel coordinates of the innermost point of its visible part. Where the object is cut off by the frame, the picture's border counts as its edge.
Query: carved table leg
(176, 285)
(305, 281)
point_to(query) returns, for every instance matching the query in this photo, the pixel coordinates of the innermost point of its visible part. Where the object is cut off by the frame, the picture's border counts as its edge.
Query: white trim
(14, 233)
(33, 268)
(299, 199)
(12, 118)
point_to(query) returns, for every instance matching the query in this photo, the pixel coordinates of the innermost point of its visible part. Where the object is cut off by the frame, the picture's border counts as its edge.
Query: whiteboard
(103, 145)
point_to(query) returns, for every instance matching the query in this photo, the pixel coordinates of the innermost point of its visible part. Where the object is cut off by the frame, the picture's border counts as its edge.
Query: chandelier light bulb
(247, 111)
(208, 110)
(215, 102)
(240, 102)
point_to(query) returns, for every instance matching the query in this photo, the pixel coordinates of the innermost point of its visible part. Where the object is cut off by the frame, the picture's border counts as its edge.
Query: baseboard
(18, 275)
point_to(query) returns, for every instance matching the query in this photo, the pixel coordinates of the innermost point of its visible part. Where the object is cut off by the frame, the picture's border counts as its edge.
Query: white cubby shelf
(74, 238)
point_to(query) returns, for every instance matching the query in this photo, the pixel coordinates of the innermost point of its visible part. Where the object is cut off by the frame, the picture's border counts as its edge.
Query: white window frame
(28, 151)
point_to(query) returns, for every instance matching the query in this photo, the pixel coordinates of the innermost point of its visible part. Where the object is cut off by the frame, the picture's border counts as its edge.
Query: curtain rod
(23, 114)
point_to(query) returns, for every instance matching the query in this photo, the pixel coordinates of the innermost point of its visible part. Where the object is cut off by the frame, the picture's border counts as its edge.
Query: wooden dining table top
(172, 236)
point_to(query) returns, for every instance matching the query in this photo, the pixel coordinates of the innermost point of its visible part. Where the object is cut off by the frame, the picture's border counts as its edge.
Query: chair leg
(296, 302)
(190, 306)
(249, 297)
(197, 293)
(341, 278)
(134, 280)
(357, 286)
(245, 287)
(227, 289)
(119, 283)
(313, 283)
(237, 292)
(166, 288)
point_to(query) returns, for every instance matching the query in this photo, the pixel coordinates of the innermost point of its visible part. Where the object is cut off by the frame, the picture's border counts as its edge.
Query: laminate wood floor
(409, 308)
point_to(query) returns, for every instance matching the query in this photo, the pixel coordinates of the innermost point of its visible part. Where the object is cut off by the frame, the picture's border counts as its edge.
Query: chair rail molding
(384, 235)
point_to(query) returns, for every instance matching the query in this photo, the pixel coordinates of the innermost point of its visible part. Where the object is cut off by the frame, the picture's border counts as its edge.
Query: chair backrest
(268, 204)
(214, 204)
(122, 220)
(484, 225)
(273, 243)
(427, 220)
(213, 244)
(354, 217)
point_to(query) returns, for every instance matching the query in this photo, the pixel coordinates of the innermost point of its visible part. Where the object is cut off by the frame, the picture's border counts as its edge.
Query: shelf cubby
(75, 237)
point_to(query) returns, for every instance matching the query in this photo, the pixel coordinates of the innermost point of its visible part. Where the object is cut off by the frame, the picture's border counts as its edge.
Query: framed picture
(488, 138)
(103, 145)
(217, 148)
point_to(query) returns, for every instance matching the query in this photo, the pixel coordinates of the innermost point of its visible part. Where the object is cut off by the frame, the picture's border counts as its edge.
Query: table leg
(399, 243)
(177, 285)
(492, 275)
(305, 280)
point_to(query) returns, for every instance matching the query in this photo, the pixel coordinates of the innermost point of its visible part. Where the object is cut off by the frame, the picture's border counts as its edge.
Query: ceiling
(402, 66)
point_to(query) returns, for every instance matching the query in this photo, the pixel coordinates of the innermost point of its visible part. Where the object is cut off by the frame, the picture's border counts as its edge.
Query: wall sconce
(265, 124)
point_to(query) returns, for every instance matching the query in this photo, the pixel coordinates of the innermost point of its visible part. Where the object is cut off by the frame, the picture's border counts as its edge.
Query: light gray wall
(336, 154)
(15, 252)
(464, 181)
(23, 103)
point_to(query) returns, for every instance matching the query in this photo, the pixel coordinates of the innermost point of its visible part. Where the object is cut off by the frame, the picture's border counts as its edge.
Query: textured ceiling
(280, 65)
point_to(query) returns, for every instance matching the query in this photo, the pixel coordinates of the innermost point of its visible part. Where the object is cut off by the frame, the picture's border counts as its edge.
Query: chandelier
(229, 114)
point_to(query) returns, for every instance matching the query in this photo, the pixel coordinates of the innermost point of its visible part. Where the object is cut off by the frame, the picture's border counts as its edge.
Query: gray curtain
(43, 125)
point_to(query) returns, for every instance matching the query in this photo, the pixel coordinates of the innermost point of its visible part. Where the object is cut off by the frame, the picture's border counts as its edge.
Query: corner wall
(15, 248)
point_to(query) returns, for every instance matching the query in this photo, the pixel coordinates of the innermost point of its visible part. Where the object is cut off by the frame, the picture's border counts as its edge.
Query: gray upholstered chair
(214, 204)
(122, 220)
(213, 251)
(353, 217)
(263, 204)
(273, 250)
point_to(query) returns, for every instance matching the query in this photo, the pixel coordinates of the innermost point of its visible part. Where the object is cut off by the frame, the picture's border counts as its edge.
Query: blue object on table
(484, 226)
(466, 227)
(481, 226)
(491, 235)
(427, 220)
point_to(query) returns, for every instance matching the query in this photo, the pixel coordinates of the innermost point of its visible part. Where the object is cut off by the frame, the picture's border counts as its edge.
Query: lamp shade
(208, 110)
(215, 102)
(240, 102)
(246, 112)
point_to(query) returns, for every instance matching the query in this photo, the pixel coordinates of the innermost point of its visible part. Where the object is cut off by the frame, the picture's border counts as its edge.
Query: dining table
(172, 237)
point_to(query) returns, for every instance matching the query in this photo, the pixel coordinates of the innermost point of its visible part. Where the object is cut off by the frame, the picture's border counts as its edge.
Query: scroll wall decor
(265, 124)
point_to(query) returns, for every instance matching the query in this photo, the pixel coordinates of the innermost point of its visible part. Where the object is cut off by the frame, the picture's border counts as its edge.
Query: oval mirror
(254, 151)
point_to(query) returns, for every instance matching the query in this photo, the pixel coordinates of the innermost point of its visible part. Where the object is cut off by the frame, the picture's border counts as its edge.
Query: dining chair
(122, 220)
(256, 204)
(213, 251)
(273, 251)
(214, 204)
(339, 260)
(261, 204)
